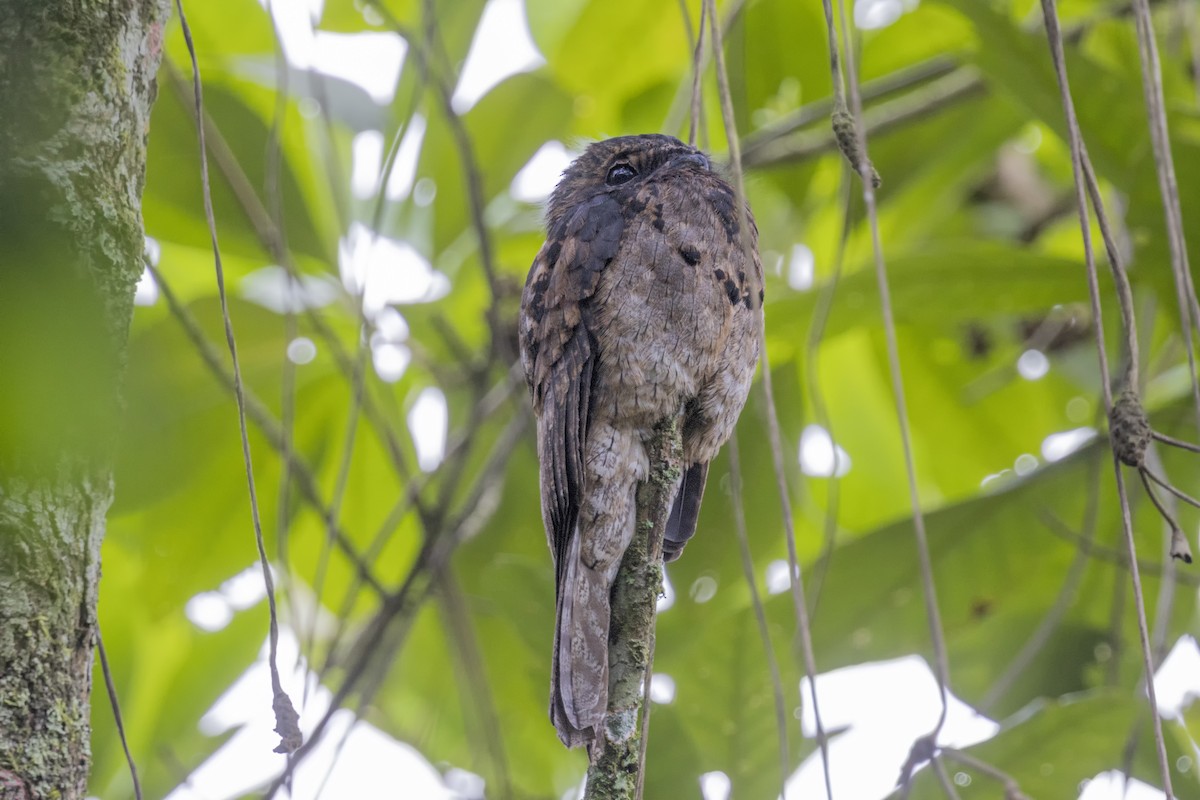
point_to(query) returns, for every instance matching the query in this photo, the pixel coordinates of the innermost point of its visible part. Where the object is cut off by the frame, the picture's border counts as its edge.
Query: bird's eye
(620, 173)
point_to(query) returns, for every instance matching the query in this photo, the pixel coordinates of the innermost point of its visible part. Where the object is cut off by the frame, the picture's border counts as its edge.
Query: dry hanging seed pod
(1131, 433)
(847, 139)
(1130, 429)
(1179, 546)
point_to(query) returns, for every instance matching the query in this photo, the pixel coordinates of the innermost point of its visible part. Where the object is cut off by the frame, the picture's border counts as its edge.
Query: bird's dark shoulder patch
(722, 200)
(690, 254)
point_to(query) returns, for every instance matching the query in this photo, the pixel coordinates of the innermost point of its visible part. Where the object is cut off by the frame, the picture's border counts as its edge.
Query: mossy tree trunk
(76, 86)
(616, 770)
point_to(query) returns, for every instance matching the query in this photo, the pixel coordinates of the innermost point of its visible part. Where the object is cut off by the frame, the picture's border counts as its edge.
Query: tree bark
(76, 87)
(617, 769)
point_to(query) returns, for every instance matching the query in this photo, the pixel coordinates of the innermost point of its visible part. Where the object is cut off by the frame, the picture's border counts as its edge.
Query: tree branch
(614, 771)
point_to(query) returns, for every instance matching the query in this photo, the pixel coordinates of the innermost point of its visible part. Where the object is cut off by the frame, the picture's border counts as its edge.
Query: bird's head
(619, 164)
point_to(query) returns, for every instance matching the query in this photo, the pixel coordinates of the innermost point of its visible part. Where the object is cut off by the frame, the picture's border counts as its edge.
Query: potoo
(642, 304)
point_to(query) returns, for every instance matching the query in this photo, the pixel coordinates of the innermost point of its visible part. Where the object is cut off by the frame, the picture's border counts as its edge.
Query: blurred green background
(996, 339)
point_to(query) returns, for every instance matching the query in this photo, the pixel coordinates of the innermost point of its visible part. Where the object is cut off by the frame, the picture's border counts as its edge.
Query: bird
(645, 302)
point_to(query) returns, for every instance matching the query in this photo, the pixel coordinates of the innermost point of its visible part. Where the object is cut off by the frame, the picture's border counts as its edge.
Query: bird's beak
(698, 159)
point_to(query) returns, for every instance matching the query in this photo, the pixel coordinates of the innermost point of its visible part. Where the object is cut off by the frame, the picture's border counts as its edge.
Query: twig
(797, 581)
(697, 71)
(488, 405)
(1166, 589)
(1012, 789)
(918, 104)
(812, 367)
(869, 182)
(337, 752)
(272, 189)
(480, 692)
(471, 172)
(116, 709)
(1193, 28)
(1066, 596)
(1184, 496)
(819, 110)
(286, 719)
(1109, 555)
(401, 605)
(262, 419)
(1160, 140)
(613, 773)
(760, 147)
(681, 103)
(1132, 379)
(270, 238)
(760, 614)
(647, 705)
(338, 185)
(340, 482)
(1053, 34)
(1171, 440)
(939, 769)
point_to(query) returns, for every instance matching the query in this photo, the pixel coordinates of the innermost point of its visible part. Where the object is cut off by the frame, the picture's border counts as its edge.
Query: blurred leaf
(941, 286)
(981, 248)
(1050, 751)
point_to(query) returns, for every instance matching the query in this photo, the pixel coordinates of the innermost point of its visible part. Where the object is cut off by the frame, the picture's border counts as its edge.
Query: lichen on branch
(617, 756)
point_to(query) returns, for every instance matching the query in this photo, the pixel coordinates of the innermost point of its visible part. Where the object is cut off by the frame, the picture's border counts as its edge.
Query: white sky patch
(274, 289)
(662, 688)
(212, 611)
(777, 577)
(715, 786)
(1113, 786)
(465, 785)
(820, 456)
(153, 251)
(208, 611)
(371, 59)
(885, 706)
(428, 420)
(1057, 446)
(246, 762)
(537, 179)
(146, 293)
(404, 167)
(1177, 682)
(502, 47)
(802, 268)
(1033, 365)
(390, 360)
(391, 326)
(366, 159)
(385, 270)
(667, 598)
(875, 14)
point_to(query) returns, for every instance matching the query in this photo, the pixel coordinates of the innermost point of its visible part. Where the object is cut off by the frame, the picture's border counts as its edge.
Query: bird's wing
(558, 352)
(681, 523)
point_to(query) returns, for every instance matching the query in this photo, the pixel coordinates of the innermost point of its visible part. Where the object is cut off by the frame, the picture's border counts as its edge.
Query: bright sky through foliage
(882, 706)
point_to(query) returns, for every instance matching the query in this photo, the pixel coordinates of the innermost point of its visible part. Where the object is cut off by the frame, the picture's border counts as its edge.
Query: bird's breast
(668, 310)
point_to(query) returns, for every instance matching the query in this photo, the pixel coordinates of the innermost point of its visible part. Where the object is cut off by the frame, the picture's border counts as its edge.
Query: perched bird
(642, 304)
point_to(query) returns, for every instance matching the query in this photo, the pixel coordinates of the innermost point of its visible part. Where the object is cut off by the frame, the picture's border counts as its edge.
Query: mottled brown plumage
(640, 305)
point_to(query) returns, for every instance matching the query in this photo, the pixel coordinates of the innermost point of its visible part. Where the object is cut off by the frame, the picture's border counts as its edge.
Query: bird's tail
(579, 674)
